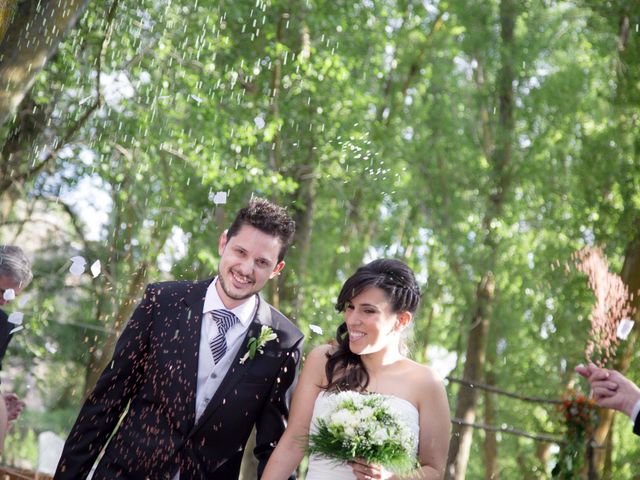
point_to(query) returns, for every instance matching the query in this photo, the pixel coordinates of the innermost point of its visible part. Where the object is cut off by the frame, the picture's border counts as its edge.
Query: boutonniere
(257, 344)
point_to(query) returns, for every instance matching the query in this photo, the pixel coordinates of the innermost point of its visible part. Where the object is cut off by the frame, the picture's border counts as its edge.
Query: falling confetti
(95, 268)
(24, 298)
(220, 198)
(15, 318)
(17, 329)
(624, 329)
(77, 267)
(612, 304)
(316, 329)
(9, 294)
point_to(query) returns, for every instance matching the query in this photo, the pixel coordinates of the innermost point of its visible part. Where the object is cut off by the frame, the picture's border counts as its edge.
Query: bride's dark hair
(344, 369)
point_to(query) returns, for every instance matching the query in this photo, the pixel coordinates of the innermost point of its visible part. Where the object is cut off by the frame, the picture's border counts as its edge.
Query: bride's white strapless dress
(321, 468)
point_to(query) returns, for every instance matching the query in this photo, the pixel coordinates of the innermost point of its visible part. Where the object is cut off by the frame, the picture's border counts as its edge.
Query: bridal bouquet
(365, 426)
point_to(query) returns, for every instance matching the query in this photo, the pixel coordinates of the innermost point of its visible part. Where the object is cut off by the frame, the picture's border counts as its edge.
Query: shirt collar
(244, 311)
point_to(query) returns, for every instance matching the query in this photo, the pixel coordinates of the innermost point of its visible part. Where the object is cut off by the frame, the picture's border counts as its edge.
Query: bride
(378, 302)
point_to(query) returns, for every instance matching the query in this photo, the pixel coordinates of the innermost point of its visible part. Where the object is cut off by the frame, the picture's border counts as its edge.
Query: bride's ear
(403, 320)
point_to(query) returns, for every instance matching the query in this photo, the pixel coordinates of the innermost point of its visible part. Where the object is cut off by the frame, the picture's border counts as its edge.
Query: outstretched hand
(14, 405)
(610, 389)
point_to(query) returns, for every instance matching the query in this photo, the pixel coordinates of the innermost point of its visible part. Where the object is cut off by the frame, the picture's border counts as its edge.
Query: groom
(178, 376)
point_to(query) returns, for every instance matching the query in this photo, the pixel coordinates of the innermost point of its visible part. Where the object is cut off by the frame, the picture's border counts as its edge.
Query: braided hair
(344, 369)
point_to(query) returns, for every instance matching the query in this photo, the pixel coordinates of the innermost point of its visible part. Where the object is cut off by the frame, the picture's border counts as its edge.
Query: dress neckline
(326, 393)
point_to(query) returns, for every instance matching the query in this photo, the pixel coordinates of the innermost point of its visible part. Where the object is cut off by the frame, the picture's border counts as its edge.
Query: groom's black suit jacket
(636, 425)
(154, 372)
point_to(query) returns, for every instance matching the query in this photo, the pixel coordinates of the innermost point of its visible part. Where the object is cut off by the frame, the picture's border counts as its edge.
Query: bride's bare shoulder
(315, 362)
(322, 351)
(425, 376)
(317, 357)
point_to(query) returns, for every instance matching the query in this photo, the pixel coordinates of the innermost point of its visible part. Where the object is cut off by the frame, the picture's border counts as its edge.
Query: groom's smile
(241, 279)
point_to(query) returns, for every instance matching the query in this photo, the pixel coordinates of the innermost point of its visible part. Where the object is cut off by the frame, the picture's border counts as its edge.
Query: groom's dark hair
(267, 217)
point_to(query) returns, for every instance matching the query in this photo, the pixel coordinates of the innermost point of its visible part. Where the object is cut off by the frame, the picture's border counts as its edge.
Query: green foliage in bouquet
(365, 426)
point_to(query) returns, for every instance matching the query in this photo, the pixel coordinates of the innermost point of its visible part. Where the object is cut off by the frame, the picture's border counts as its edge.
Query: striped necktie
(224, 320)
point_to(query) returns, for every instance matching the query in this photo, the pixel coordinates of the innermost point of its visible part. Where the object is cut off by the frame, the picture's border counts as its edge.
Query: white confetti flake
(260, 123)
(17, 329)
(144, 77)
(95, 268)
(316, 329)
(16, 318)
(9, 294)
(624, 328)
(220, 198)
(24, 298)
(76, 269)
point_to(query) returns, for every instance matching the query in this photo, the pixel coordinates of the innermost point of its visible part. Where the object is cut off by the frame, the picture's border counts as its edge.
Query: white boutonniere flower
(256, 345)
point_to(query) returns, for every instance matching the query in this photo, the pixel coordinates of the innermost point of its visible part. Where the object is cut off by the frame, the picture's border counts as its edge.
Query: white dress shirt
(210, 374)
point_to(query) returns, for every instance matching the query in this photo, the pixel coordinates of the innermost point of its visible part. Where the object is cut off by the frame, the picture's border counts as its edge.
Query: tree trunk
(467, 396)
(608, 462)
(32, 38)
(491, 471)
(460, 445)
(462, 435)
(543, 454)
(7, 8)
(30, 122)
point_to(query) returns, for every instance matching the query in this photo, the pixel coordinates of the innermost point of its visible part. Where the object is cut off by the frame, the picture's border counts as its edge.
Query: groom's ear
(277, 269)
(222, 242)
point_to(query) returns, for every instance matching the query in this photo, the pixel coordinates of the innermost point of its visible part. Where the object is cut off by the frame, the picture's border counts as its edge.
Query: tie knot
(224, 319)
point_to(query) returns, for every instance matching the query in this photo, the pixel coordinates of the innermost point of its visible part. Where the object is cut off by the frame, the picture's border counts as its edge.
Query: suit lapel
(189, 327)
(236, 370)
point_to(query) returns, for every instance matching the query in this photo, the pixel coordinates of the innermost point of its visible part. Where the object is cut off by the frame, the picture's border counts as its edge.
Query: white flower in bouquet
(365, 426)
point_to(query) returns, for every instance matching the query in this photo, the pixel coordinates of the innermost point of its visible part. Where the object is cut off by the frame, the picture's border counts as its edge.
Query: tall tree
(32, 37)
(501, 175)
